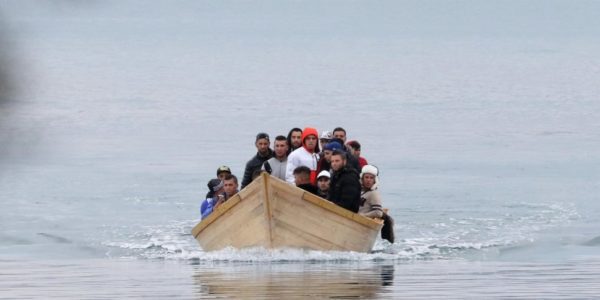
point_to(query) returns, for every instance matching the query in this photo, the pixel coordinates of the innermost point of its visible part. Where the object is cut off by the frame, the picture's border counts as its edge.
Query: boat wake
(458, 238)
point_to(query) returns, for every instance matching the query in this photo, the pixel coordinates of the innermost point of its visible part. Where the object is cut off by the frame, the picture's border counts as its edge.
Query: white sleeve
(290, 167)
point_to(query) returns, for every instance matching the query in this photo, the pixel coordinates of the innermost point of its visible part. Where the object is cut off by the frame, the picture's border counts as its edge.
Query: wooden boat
(271, 213)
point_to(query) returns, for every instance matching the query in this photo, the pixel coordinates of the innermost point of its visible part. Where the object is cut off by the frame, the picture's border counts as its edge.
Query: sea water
(483, 120)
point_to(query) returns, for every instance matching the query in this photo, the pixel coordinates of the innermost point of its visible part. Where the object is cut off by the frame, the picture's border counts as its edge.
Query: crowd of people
(326, 165)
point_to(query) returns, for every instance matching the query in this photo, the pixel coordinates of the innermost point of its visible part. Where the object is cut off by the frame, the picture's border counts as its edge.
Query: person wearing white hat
(370, 199)
(323, 180)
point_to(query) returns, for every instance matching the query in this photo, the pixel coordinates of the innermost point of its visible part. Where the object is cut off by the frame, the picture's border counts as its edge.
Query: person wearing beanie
(370, 199)
(214, 197)
(325, 159)
(345, 185)
(352, 161)
(255, 163)
(307, 155)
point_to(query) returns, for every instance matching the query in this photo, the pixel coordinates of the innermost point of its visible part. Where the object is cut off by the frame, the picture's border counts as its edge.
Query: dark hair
(338, 129)
(354, 145)
(289, 138)
(340, 153)
(281, 138)
(230, 177)
(302, 170)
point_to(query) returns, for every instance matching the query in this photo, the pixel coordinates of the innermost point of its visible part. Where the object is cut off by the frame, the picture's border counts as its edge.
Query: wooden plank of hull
(273, 214)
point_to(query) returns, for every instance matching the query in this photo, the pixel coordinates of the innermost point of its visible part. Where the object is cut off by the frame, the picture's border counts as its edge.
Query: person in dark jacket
(352, 161)
(256, 162)
(302, 179)
(345, 187)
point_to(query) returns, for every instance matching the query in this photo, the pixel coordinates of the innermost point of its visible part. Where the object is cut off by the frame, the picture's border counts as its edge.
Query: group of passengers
(327, 166)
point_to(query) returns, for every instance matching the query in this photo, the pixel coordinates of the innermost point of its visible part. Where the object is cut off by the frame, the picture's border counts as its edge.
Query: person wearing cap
(214, 198)
(223, 171)
(325, 159)
(354, 148)
(370, 199)
(325, 138)
(345, 187)
(307, 155)
(302, 179)
(277, 164)
(255, 163)
(323, 180)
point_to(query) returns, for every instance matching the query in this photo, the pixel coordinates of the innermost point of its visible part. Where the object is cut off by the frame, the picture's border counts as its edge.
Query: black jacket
(309, 188)
(255, 163)
(345, 189)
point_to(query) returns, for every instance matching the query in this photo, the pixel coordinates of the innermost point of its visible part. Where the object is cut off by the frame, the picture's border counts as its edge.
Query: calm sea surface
(483, 119)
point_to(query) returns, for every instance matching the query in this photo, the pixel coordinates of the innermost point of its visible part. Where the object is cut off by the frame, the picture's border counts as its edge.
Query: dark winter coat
(254, 164)
(345, 189)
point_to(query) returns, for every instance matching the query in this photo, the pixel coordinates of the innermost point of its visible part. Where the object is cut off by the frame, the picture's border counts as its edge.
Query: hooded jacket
(303, 157)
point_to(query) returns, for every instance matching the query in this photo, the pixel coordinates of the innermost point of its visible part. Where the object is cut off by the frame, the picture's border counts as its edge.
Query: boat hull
(271, 213)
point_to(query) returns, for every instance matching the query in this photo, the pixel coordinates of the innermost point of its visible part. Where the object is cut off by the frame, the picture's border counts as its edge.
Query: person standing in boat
(230, 186)
(302, 179)
(277, 164)
(255, 163)
(323, 180)
(307, 155)
(294, 139)
(371, 204)
(344, 189)
(214, 198)
(325, 159)
(354, 148)
(325, 138)
(223, 171)
(370, 199)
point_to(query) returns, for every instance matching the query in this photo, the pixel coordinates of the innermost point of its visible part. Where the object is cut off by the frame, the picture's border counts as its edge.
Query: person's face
(340, 135)
(368, 181)
(296, 139)
(301, 179)
(281, 148)
(352, 151)
(323, 183)
(327, 155)
(337, 162)
(230, 187)
(324, 143)
(310, 142)
(262, 145)
(222, 175)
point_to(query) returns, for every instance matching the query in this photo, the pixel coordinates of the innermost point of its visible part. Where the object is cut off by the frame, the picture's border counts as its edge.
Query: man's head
(338, 160)
(369, 177)
(262, 143)
(302, 175)
(340, 133)
(323, 180)
(215, 186)
(354, 147)
(310, 139)
(223, 171)
(230, 185)
(280, 146)
(325, 138)
(295, 138)
(329, 148)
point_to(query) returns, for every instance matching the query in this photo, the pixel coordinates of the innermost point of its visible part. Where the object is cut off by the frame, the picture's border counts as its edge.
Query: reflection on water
(285, 281)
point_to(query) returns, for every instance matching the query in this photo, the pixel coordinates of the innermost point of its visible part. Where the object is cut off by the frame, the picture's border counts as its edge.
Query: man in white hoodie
(307, 155)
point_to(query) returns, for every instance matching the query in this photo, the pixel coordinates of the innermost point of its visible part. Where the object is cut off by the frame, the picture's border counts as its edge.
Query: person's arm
(289, 169)
(350, 194)
(247, 175)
